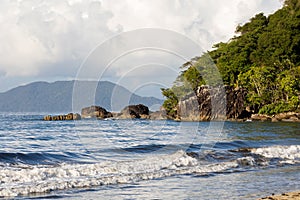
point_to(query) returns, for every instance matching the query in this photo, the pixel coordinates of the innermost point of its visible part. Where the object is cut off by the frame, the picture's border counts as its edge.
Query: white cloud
(41, 38)
(37, 35)
(206, 22)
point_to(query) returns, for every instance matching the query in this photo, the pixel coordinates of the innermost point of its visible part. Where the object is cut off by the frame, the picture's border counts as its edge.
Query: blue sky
(45, 40)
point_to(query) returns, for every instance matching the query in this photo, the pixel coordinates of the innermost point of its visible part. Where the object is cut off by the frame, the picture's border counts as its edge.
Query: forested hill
(58, 97)
(263, 57)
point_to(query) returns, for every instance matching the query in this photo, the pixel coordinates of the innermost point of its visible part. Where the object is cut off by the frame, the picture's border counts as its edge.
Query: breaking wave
(24, 179)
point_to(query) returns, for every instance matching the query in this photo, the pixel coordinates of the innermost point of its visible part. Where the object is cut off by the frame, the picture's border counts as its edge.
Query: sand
(284, 196)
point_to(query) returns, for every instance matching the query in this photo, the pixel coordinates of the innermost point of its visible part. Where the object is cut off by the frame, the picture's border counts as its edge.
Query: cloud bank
(47, 39)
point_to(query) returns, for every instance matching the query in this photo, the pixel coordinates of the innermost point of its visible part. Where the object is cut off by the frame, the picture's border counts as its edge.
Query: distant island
(57, 97)
(259, 67)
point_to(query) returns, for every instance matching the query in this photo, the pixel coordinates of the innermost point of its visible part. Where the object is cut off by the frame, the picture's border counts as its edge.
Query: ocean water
(141, 159)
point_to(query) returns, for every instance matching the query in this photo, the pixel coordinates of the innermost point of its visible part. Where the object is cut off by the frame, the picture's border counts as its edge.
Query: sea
(144, 159)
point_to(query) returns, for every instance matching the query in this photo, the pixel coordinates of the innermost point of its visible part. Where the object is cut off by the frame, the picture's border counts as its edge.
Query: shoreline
(141, 111)
(158, 116)
(284, 196)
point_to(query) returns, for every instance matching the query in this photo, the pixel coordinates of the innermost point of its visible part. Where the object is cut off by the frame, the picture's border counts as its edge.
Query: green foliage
(278, 107)
(171, 102)
(264, 58)
(193, 77)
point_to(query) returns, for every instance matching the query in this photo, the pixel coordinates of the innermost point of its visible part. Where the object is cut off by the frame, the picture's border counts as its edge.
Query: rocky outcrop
(95, 112)
(213, 103)
(287, 117)
(70, 116)
(260, 117)
(188, 110)
(284, 117)
(158, 115)
(139, 111)
(192, 108)
(235, 103)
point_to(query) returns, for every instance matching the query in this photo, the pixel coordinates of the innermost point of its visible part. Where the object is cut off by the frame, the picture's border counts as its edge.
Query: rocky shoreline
(281, 117)
(223, 103)
(213, 103)
(141, 111)
(70, 116)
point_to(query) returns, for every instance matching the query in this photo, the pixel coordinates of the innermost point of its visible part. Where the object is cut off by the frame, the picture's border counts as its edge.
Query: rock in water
(70, 116)
(135, 111)
(159, 115)
(285, 117)
(95, 112)
(47, 118)
(76, 116)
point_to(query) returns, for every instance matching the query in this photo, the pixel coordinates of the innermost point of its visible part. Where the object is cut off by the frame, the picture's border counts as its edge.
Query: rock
(135, 111)
(289, 117)
(142, 116)
(70, 116)
(47, 118)
(95, 112)
(284, 117)
(260, 117)
(76, 116)
(236, 107)
(228, 103)
(57, 118)
(115, 115)
(188, 110)
(159, 115)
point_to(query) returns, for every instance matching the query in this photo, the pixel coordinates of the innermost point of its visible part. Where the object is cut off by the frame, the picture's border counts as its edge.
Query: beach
(284, 196)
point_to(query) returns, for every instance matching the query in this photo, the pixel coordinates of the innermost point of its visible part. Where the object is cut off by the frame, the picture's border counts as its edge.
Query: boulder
(139, 111)
(70, 116)
(76, 116)
(284, 117)
(213, 103)
(158, 115)
(47, 118)
(235, 99)
(188, 110)
(95, 112)
(289, 116)
(260, 117)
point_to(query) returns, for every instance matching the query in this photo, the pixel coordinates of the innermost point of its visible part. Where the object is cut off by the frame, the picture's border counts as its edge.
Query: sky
(42, 40)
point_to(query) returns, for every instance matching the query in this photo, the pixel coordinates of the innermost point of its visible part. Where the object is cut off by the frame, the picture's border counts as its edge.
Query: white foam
(16, 181)
(290, 153)
(24, 180)
(246, 161)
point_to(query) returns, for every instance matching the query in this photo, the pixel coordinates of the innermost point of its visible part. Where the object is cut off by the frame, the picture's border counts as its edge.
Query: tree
(263, 58)
(170, 103)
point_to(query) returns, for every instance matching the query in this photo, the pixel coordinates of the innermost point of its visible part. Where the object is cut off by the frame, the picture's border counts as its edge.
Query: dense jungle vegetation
(263, 57)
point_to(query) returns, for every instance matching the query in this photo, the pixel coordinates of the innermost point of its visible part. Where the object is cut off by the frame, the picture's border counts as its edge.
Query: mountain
(67, 96)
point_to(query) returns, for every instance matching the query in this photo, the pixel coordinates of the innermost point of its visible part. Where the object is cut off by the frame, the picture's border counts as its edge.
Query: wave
(287, 154)
(38, 158)
(35, 179)
(16, 180)
(167, 148)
